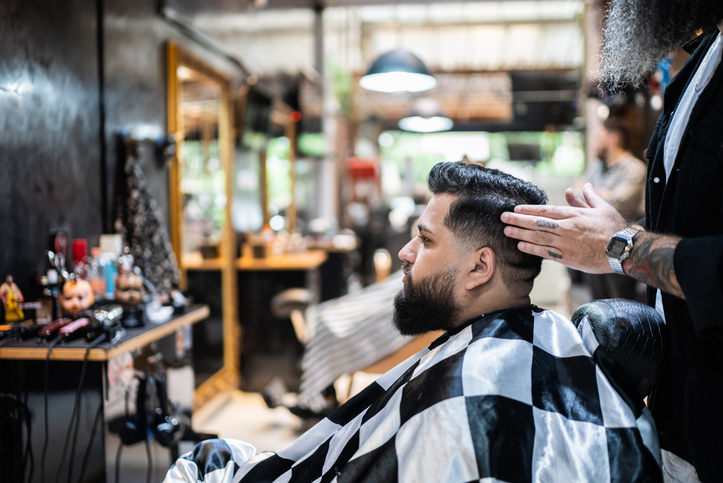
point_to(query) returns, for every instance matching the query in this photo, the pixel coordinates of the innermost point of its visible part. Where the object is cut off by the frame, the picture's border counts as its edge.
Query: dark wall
(49, 136)
(50, 143)
(135, 84)
(135, 79)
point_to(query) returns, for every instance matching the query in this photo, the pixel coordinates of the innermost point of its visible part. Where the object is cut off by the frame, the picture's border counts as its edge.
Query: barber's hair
(619, 126)
(482, 195)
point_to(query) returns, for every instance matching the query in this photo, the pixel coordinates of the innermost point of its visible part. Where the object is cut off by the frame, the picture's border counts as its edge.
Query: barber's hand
(574, 235)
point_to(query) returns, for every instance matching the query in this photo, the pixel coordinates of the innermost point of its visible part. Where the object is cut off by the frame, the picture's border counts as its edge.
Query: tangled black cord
(86, 456)
(45, 402)
(29, 444)
(75, 415)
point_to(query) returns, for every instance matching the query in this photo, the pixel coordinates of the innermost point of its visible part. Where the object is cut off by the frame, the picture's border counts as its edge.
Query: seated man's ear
(483, 267)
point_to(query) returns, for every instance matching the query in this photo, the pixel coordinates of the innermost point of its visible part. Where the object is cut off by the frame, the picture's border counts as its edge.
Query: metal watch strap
(616, 264)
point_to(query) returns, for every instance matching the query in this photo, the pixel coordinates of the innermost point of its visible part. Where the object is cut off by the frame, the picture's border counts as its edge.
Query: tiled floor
(245, 416)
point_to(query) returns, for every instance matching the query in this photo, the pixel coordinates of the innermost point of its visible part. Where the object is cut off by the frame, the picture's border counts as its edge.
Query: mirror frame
(228, 377)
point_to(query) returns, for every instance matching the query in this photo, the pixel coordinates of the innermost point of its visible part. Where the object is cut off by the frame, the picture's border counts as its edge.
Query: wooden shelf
(135, 339)
(288, 261)
(194, 261)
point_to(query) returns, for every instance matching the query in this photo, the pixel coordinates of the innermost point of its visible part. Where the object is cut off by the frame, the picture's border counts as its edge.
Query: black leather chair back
(627, 340)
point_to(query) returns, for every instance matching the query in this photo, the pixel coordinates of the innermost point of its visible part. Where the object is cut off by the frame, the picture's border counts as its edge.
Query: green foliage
(342, 86)
(312, 145)
(203, 179)
(561, 153)
(278, 172)
(406, 146)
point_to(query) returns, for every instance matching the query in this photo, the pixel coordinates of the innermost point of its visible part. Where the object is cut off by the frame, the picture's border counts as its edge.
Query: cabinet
(110, 379)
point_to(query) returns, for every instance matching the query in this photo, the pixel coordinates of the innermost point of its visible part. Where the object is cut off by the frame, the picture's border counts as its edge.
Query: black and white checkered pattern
(513, 396)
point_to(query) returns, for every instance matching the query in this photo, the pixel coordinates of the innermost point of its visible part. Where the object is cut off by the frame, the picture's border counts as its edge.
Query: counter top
(134, 339)
(194, 261)
(288, 261)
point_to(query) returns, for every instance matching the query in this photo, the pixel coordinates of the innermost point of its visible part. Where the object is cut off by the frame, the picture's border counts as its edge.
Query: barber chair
(287, 304)
(627, 340)
(291, 304)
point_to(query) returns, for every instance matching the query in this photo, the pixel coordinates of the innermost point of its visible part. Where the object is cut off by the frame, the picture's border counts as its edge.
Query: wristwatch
(619, 247)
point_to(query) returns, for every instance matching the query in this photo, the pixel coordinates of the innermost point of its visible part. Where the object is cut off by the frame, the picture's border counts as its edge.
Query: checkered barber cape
(512, 396)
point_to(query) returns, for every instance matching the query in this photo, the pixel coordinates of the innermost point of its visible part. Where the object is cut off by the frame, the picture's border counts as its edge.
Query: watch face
(618, 246)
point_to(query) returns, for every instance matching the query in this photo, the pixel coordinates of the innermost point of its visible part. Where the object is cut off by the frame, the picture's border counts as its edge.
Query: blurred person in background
(679, 255)
(619, 178)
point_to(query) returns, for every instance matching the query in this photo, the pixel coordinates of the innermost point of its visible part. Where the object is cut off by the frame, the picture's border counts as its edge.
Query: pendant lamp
(426, 115)
(398, 71)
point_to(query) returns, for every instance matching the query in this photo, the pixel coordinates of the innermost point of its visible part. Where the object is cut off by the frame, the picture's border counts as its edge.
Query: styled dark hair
(482, 195)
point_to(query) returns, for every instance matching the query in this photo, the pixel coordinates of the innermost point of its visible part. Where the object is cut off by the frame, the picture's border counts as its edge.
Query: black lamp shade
(398, 61)
(398, 70)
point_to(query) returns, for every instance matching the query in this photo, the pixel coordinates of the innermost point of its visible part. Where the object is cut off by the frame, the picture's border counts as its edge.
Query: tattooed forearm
(547, 224)
(554, 255)
(652, 262)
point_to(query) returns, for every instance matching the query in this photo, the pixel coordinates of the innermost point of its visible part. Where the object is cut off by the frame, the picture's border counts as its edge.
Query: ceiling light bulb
(398, 82)
(426, 124)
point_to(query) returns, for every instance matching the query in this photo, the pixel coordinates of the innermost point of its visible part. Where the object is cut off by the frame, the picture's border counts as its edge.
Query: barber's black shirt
(688, 400)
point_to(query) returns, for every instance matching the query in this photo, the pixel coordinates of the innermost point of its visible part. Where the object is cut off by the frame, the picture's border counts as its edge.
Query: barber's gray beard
(640, 33)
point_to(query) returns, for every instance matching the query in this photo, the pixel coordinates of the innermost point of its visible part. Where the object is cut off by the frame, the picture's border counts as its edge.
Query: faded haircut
(482, 195)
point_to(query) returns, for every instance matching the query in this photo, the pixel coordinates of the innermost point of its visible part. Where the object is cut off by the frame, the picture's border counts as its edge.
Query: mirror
(264, 162)
(249, 206)
(201, 185)
(202, 177)
(280, 175)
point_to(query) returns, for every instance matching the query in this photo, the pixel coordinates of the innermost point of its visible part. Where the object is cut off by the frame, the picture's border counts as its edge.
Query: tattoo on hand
(554, 255)
(653, 264)
(547, 224)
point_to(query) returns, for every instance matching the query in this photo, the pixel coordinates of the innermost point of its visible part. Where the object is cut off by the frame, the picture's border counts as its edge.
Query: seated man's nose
(405, 252)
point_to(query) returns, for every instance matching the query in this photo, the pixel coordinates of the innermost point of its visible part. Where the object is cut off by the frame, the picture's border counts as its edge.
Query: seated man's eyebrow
(422, 228)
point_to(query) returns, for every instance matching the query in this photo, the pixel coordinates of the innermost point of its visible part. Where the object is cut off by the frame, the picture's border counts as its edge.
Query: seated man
(508, 393)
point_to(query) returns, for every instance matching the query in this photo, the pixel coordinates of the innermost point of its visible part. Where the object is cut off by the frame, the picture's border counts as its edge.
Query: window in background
(408, 157)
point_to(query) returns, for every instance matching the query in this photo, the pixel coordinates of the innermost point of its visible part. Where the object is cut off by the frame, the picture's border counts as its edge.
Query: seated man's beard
(426, 305)
(640, 33)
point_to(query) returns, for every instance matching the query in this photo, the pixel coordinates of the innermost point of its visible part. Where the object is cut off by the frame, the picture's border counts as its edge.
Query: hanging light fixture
(398, 71)
(426, 115)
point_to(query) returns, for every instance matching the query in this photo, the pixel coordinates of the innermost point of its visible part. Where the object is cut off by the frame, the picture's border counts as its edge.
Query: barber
(679, 252)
